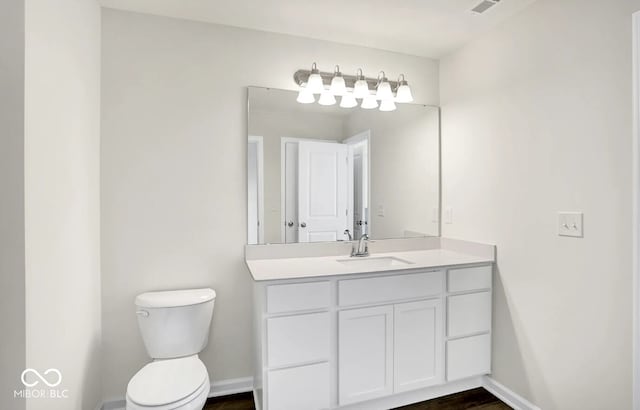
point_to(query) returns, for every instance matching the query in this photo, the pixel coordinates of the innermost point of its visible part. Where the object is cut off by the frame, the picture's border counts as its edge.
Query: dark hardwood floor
(241, 401)
(476, 399)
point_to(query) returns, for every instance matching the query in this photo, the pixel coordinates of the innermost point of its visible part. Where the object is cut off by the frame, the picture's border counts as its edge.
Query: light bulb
(369, 102)
(403, 94)
(326, 98)
(384, 90)
(387, 105)
(305, 96)
(348, 101)
(338, 86)
(314, 83)
(361, 89)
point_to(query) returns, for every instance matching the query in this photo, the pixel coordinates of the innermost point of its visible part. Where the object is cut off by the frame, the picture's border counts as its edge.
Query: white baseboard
(219, 388)
(231, 386)
(416, 396)
(506, 395)
(115, 404)
(245, 384)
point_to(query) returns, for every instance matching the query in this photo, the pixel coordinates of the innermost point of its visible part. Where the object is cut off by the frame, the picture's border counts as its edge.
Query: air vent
(484, 6)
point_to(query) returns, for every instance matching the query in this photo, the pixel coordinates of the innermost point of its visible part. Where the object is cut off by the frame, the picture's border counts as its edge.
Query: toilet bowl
(169, 384)
(175, 328)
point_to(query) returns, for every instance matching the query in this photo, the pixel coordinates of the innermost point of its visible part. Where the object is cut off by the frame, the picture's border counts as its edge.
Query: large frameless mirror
(324, 173)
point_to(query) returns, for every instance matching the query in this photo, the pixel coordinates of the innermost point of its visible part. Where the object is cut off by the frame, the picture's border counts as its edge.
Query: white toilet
(175, 328)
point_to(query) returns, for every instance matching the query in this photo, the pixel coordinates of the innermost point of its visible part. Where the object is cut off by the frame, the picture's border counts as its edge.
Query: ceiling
(427, 28)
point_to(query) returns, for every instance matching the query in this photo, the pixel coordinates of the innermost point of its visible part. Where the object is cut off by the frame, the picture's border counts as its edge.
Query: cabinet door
(418, 345)
(365, 349)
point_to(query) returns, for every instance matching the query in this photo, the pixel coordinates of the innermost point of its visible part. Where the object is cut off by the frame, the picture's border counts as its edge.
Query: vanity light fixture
(305, 96)
(383, 90)
(338, 86)
(387, 105)
(361, 88)
(369, 102)
(326, 98)
(315, 84)
(403, 92)
(369, 92)
(348, 100)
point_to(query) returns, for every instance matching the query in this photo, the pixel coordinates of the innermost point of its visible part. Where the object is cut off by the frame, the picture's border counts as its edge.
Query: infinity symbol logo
(56, 372)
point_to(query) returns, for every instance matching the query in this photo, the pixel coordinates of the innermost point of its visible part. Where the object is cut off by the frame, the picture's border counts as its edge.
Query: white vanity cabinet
(468, 322)
(418, 345)
(365, 353)
(389, 349)
(360, 340)
(394, 347)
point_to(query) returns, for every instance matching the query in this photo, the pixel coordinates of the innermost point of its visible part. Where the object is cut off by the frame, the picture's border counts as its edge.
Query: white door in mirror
(322, 191)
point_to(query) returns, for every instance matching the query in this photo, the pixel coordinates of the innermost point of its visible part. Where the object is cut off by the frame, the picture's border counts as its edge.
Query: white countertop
(319, 266)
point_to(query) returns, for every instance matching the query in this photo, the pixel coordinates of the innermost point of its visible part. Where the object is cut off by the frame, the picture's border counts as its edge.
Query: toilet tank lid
(175, 298)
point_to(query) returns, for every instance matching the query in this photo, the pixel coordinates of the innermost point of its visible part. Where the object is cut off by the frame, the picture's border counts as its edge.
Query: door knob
(289, 224)
(303, 225)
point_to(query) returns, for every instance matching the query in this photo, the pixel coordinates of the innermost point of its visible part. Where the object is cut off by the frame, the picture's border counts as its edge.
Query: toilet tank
(175, 323)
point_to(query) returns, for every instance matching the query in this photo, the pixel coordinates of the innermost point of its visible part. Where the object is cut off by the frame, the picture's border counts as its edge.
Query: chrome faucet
(363, 247)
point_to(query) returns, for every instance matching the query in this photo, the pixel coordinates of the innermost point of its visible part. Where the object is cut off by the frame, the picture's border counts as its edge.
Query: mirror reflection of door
(392, 173)
(316, 203)
(255, 190)
(289, 170)
(359, 151)
(323, 212)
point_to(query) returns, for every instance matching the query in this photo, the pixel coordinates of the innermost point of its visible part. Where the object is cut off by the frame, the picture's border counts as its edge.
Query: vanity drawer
(305, 387)
(473, 278)
(297, 339)
(470, 356)
(389, 288)
(468, 314)
(297, 296)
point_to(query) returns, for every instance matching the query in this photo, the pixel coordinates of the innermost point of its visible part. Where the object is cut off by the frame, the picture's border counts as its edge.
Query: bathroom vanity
(404, 320)
(391, 329)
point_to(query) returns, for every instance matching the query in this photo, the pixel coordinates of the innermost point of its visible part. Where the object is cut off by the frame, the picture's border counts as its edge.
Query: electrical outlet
(381, 210)
(448, 215)
(570, 224)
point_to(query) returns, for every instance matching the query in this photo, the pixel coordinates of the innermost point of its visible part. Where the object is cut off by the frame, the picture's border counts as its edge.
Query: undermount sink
(373, 262)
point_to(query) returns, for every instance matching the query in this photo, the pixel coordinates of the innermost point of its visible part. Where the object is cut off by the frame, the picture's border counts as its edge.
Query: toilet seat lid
(167, 381)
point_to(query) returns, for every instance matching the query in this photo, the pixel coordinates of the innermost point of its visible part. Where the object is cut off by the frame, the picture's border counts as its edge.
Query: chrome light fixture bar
(301, 77)
(351, 88)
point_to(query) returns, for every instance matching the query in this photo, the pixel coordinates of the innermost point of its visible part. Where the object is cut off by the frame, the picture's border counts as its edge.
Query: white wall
(174, 167)
(272, 125)
(62, 207)
(405, 169)
(537, 119)
(12, 347)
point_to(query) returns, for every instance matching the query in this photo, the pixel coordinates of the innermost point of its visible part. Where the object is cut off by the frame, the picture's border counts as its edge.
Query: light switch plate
(381, 210)
(570, 224)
